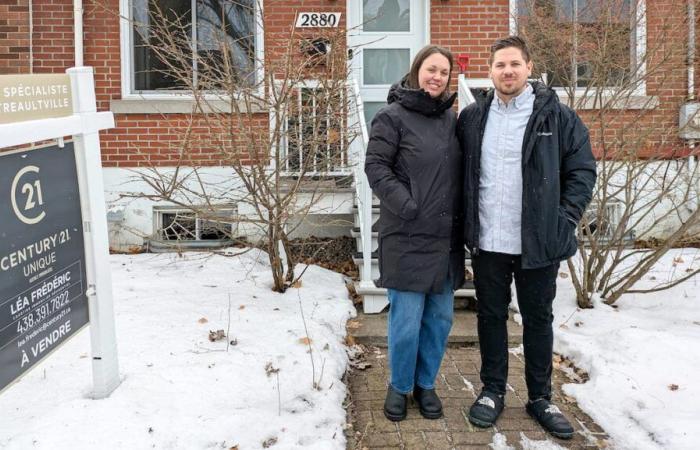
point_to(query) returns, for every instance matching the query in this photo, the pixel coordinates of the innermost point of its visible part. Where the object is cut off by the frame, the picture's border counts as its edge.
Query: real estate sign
(32, 97)
(42, 257)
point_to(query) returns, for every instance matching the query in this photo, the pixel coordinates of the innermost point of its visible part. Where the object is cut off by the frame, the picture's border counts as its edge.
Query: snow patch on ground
(181, 391)
(643, 358)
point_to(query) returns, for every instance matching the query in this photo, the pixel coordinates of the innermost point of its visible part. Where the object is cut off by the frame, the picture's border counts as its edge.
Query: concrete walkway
(458, 385)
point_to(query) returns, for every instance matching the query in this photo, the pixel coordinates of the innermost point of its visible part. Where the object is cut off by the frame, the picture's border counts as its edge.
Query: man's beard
(508, 90)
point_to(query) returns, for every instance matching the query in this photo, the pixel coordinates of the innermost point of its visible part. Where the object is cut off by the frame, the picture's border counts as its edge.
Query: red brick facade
(464, 26)
(14, 36)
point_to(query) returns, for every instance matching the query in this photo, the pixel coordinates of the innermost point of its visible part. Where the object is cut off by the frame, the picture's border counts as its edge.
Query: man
(529, 174)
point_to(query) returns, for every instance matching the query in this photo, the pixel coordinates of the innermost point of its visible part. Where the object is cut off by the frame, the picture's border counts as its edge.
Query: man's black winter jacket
(559, 174)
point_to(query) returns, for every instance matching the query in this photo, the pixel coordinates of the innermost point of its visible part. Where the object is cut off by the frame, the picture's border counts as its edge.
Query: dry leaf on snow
(270, 369)
(269, 442)
(216, 335)
(203, 320)
(305, 340)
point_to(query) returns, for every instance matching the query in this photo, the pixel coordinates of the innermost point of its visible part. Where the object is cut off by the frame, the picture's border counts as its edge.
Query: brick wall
(14, 37)
(53, 36)
(469, 27)
(464, 26)
(144, 139)
(654, 131)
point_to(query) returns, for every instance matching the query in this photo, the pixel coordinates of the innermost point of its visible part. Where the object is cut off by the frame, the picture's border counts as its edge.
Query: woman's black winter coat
(414, 166)
(559, 173)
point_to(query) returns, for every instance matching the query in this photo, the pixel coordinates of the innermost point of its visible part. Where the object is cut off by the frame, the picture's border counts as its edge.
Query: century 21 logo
(27, 202)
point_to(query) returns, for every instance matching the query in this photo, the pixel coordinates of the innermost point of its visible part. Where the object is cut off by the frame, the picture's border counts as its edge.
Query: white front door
(384, 36)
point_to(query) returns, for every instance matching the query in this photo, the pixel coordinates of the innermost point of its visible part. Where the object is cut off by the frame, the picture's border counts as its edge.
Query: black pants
(536, 288)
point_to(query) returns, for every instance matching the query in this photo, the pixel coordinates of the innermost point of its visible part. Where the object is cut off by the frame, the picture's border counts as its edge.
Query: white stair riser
(375, 217)
(358, 243)
(375, 267)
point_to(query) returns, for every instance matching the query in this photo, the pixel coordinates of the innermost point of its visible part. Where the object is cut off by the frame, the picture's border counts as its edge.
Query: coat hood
(418, 100)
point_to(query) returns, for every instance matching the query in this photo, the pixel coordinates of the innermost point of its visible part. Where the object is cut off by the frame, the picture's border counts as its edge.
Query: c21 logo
(27, 202)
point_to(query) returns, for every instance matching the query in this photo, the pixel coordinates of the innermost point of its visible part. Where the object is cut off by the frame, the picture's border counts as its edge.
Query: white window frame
(640, 42)
(127, 57)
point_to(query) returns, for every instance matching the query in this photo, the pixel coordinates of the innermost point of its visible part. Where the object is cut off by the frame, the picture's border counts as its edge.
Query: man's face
(509, 72)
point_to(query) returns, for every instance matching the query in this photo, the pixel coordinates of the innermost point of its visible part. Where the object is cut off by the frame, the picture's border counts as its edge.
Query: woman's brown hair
(418, 62)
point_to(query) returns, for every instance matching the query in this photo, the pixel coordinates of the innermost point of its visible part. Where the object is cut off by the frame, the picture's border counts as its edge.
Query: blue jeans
(419, 325)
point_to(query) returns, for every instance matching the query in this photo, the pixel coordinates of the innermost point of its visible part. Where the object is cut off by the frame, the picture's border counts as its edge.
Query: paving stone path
(458, 385)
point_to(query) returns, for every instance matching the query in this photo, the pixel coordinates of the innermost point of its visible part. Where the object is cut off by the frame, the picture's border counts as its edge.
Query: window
(187, 225)
(224, 34)
(583, 43)
(315, 138)
(599, 223)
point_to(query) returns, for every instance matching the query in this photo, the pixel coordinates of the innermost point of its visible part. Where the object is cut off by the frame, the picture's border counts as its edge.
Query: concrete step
(370, 329)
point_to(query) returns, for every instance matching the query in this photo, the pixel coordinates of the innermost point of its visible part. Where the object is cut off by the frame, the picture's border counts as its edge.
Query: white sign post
(84, 125)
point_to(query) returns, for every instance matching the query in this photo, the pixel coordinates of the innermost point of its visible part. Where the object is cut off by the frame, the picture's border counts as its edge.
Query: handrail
(464, 94)
(363, 194)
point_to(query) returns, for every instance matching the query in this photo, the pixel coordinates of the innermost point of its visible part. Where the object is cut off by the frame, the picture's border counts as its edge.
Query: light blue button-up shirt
(501, 181)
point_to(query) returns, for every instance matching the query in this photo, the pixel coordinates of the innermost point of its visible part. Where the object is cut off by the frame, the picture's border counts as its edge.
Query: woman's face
(434, 74)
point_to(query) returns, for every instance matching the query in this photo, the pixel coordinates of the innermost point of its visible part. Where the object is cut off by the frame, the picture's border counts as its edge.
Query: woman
(414, 165)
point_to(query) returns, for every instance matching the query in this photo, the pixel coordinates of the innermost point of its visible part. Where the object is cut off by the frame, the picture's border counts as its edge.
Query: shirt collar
(516, 102)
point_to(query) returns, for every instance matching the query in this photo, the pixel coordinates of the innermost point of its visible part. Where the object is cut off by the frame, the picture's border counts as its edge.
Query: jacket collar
(418, 100)
(545, 99)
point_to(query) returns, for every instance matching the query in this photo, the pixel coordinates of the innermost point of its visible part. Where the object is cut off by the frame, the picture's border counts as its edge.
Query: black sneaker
(486, 409)
(429, 403)
(551, 419)
(395, 405)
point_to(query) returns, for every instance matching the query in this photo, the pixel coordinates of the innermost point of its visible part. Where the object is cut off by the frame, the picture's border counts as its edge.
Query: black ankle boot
(395, 405)
(429, 403)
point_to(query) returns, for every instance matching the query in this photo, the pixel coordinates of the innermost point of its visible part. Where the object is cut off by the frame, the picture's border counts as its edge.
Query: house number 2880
(317, 20)
(28, 199)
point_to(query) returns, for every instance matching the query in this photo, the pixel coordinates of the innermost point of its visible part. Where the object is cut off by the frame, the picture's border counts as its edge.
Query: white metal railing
(464, 94)
(357, 129)
(305, 127)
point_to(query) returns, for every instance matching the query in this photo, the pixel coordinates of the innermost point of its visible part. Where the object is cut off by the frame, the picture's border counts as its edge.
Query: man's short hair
(510, 41)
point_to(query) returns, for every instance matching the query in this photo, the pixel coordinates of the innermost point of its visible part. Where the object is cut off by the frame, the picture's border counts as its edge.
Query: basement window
(599, 223)
(217, 226)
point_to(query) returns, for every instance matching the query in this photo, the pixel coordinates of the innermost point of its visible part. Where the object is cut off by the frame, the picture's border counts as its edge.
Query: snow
(178, 389)
(181, 391)
(500, 442)
(643, 358)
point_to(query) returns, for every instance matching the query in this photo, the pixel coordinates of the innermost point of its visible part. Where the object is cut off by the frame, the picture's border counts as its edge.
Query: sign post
(54, 266)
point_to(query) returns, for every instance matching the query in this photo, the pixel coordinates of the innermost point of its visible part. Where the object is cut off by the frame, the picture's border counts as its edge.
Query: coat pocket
(565, 234)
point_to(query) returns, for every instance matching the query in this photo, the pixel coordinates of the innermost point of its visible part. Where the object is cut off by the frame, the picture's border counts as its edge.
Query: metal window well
(600, 225)
(202, 228)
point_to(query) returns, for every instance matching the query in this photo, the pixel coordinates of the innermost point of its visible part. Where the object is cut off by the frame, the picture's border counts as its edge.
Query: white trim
(127, 57)
(175, 105)
(641, 44)
(426, 18)
(640, 41)
(125, 46)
